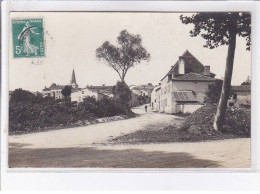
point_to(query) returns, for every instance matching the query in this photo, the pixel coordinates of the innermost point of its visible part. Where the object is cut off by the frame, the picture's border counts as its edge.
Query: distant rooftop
(242, 88)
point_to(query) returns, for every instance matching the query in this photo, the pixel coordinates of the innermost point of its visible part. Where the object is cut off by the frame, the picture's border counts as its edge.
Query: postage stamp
(28, 38)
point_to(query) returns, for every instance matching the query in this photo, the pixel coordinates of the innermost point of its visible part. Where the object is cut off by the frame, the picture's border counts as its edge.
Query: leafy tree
(213, 93)
(66, 92)
(127, 54)
(20, 95)
(221, 29)
(122, 94)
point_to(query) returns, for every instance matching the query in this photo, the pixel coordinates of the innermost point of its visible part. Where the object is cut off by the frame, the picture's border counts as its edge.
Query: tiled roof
(194, 77)
(184, 96)
(54, 87)
(100, 87)
(242, 88)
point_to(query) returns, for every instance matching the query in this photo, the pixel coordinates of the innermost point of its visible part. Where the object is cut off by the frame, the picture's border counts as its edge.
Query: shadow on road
(91, 157)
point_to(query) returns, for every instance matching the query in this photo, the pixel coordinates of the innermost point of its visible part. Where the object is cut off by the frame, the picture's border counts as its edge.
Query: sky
(71, 40)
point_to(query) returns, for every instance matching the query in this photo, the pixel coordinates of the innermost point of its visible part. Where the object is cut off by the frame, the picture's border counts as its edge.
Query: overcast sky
(72, 38)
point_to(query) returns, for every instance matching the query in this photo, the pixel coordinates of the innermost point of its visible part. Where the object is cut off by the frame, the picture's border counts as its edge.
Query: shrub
(237, 121)
(213, 93)
(122, 94)
(26, 117)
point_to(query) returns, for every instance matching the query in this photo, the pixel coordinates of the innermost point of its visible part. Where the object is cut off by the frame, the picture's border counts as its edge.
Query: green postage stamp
(28, 38)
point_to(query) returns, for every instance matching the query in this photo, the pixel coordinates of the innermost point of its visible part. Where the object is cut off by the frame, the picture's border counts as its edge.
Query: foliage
(247, 82)
(127, 54)
(20, 95)
(27, 117)
(122, 94)
(142, 99)
(66, 92)
(213, 93)
(221, 29)
(237, 122)
(215, 27)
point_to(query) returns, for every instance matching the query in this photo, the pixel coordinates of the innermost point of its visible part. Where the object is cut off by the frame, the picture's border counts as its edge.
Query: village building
(240, 96)
(104, 90)
(183, 88)
(55, 90)
(98, 92)
(144, 90)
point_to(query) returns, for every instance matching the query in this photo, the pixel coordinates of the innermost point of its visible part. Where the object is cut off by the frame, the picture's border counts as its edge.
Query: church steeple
(73, 81)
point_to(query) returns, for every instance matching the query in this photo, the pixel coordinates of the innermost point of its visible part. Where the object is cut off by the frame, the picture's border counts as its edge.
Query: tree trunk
(222, 106)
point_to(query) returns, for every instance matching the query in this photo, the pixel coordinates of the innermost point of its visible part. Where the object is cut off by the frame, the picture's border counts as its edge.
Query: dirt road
(82, 147)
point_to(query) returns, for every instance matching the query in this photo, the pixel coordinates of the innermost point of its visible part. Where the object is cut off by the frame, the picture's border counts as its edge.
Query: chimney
(181, 65)
(207, 70)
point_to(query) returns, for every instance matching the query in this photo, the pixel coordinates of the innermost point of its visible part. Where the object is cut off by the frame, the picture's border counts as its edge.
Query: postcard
(129, 90)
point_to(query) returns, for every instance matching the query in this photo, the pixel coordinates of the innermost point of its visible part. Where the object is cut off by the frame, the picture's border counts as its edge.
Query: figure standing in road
(145, 108)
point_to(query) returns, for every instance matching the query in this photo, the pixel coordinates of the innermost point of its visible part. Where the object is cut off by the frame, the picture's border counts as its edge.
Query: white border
(93, 179)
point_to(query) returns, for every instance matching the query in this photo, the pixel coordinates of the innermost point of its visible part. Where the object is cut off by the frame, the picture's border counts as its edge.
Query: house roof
(184, 96)
(192, 64)
(193, 77)
(54, 87)
(105, 89)
(242, 88)
(100, 87)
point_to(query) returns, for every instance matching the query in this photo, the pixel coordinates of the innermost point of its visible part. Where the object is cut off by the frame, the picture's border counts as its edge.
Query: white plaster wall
(57, 94)
(190, 108)
(78, 95)
(200, 88)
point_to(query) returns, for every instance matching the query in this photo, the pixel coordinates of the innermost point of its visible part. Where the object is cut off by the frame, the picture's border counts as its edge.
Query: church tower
(73, 82)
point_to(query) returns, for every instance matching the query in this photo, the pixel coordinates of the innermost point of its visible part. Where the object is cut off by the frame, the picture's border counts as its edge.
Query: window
(234, 96)
(231, 104)
(82, 92)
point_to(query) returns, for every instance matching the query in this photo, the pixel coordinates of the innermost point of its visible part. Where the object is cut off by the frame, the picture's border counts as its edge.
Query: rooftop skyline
(72, 38)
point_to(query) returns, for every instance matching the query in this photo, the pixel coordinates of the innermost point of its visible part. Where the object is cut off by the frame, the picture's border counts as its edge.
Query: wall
(57, 94)
(187, 108)
(155, 99)
(78, 96)
(165, 99)
(200, 88)
(243, 98)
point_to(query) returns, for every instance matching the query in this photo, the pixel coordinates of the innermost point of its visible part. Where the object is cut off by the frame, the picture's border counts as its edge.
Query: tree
(213, 93)
(127, 54)
(221, 29)
(122, 94)
(66, 92)
(20, 95)
(247, 82)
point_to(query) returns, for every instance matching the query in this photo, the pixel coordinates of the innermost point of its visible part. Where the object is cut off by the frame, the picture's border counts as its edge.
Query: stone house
(184, 87)
(240, 96)
(80, 94)
(53, 91)
(143, 91)
(104, 90)
(97, 91)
